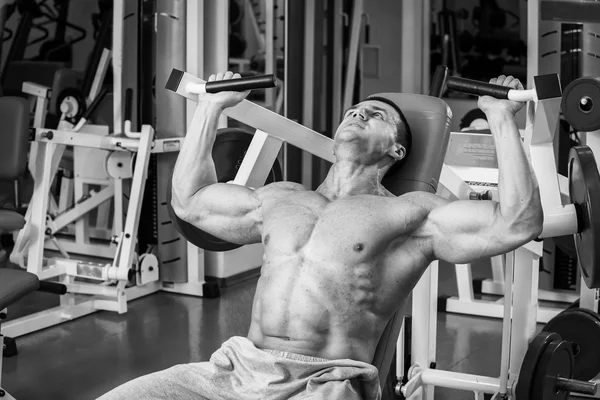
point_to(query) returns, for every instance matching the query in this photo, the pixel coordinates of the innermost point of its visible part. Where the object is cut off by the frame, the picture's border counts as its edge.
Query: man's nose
(359, 113)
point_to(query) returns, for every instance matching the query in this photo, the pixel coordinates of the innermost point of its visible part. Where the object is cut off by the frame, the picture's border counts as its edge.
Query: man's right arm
(230, 212)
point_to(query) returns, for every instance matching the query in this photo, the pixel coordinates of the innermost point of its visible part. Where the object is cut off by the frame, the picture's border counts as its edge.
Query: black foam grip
(241, 84)
(128, 104)
(94, 105)
(477, 87)
(438, 82)
(52, 287)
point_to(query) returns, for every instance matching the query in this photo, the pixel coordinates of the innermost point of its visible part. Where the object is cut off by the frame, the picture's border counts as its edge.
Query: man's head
(374, 131)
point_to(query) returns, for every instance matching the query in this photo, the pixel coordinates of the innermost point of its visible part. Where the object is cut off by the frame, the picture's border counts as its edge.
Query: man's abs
(312, 310)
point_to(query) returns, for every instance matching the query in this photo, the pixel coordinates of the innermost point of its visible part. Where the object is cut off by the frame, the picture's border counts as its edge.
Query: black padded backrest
(429, 119)
(14, 137)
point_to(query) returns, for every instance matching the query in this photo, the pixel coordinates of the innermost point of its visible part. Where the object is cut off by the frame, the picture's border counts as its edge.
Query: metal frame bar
(520, 309)
(82, 208)
(308, 94)
(274, 124)
(270, 58)
(117, 64)
(351, 62)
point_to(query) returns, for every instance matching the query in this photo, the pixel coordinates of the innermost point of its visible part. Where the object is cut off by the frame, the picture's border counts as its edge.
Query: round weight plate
(228, 152)
(584, 190)
(581, 104)
(530, 363)
(556, 361)
(77, 103)
(581, 327)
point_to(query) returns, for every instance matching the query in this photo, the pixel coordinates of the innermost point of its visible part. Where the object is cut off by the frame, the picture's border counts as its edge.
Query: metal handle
(438, 82)
(94, 105)
(241, 84)
(477, 88)
(575, 386)
(52, 287)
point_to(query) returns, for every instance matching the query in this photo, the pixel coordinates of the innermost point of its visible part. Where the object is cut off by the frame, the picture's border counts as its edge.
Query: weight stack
(170, 122)
(565, 270)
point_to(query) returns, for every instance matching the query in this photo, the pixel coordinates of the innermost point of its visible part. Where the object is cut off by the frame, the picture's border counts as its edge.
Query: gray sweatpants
(239, 370)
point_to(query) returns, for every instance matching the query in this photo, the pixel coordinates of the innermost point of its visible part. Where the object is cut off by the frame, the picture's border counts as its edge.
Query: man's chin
(349, 133)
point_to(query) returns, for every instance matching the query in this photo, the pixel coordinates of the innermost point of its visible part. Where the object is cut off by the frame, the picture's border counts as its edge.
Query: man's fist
(489, 104)
(223, 99)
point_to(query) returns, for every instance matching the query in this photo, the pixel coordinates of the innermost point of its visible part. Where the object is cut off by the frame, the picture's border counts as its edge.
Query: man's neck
(347, 178)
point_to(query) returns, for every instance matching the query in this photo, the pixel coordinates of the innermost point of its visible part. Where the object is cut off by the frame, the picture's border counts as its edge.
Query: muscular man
(338, 261)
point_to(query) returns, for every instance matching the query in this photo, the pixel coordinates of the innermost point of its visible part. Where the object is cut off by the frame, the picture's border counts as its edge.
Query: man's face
(370, 126)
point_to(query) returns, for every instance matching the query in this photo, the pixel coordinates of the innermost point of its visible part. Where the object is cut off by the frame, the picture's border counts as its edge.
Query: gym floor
(87, 357)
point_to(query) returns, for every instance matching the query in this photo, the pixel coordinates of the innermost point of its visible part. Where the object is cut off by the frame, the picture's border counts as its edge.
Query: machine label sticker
(171, 145)
(471, 150)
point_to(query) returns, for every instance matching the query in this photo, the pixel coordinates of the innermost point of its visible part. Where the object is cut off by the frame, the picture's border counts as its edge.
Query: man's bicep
(462, 231)
(227, 211)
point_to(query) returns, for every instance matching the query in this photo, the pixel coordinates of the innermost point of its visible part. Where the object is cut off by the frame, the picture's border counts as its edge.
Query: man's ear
(397, 152)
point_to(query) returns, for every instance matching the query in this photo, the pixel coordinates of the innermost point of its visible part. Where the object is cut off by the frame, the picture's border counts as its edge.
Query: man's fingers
(220, 76)
(517, 84)
(236, 76)
(212, 78)
(228, 75)
(493, 81)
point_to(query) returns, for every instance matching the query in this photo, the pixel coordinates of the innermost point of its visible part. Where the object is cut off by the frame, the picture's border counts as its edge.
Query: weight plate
(530, 362)
(228, 152)
(581, 104)
(76, 100)
(584, 191)
(581, 327)
(556, 361)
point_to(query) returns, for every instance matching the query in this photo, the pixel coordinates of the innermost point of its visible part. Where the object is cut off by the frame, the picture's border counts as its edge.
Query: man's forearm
(195, 167)
(517, 185)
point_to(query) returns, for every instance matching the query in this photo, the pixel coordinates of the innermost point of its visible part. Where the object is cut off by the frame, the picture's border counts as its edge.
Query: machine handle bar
(234, 85)
(52, 287)
(488, 89)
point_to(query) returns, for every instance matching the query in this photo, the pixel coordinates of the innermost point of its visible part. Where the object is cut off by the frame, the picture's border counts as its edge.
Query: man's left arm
(462, 231)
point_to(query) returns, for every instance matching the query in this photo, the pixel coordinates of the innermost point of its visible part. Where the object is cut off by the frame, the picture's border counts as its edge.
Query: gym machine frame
(520, 301)
(100, 295)
(85, 298)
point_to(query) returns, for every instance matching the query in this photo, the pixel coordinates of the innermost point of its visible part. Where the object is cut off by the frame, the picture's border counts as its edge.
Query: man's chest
(350, 230)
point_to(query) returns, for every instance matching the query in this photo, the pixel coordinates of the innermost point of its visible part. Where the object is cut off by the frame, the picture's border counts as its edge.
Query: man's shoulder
(425, 199)
(280, 188)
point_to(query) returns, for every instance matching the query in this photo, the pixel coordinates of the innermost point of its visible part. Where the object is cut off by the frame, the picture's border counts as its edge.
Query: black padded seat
(14, 284)
(14, 135)
(10, 221)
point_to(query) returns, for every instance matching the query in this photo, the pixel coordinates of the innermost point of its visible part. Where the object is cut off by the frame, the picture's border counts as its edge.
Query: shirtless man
(338, 261)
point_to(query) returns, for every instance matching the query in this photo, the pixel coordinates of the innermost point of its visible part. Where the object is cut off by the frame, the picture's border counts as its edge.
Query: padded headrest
(14, 135)
(429, 119)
